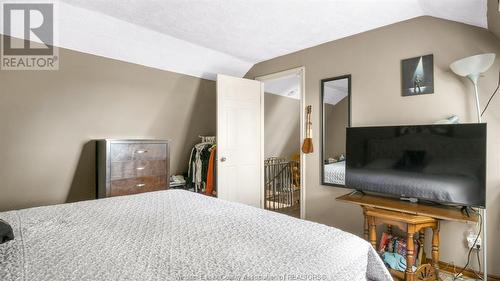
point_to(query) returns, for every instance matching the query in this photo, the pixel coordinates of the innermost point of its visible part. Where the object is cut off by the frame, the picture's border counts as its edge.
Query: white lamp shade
(474, 65)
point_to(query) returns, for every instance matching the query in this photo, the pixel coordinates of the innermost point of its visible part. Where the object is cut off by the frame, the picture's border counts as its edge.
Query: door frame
(300, 71)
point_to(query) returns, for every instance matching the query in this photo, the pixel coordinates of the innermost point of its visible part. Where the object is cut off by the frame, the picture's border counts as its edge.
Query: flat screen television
(437, 163)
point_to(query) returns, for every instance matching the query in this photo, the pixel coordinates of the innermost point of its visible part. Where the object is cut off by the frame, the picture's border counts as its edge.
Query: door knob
(223, 159)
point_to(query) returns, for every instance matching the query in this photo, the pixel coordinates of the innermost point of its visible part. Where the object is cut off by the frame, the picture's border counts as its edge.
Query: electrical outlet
(470, 241)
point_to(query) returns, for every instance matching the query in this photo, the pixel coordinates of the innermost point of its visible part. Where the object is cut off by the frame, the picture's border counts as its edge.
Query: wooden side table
(412, 218)
(411, 224)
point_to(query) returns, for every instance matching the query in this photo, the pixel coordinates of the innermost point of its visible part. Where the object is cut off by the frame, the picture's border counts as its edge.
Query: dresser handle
(141, 151)
(140, 185)
(140, 168)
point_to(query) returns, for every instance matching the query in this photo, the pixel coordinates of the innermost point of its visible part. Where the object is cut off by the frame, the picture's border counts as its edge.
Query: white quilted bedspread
(178, 235)
(335, 173)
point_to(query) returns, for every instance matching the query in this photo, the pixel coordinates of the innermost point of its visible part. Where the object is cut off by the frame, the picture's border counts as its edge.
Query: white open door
(239, 140)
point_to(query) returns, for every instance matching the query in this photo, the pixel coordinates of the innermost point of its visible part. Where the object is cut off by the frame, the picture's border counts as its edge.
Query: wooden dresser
(131, 166)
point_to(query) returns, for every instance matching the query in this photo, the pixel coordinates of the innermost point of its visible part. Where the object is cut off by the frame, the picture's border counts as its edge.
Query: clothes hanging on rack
(202, 159)
(201, 164)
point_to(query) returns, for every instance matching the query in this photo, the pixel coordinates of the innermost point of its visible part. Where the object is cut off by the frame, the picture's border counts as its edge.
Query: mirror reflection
(336, 118)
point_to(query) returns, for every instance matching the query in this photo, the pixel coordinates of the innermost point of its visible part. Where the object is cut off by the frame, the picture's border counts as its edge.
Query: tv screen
(438, 163)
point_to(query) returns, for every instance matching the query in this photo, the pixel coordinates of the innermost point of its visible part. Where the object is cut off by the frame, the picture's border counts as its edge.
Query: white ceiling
(287, 86)
(202, 38)
(335, 91)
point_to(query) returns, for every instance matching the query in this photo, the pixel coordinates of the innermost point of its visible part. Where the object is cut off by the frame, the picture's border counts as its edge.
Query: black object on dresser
(127, 167)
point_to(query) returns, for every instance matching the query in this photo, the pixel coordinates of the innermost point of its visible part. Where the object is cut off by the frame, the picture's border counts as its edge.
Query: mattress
(335, 173)
(178, 235)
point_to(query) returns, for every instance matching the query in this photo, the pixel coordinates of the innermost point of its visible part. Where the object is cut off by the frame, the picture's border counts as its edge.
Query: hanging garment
(210, 173)
(191, 169)
(201, 166)
(197, 167)
(205, 159)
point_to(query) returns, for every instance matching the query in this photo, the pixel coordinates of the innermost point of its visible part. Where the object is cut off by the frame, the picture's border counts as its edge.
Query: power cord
(471, 248)
(494, 93)
(478, 274)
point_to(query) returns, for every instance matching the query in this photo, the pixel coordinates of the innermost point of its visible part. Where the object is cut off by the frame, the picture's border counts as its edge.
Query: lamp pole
(475, 78)
(485, 243)
(472, 67)
(478, 107)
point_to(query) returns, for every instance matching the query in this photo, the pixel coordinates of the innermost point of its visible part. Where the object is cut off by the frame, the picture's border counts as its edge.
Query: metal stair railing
(278, 183)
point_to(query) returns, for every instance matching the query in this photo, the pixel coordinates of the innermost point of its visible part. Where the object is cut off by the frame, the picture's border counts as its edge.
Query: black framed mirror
(335, 118)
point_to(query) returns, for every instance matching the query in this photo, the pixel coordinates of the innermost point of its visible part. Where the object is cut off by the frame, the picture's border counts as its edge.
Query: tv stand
(413, 219)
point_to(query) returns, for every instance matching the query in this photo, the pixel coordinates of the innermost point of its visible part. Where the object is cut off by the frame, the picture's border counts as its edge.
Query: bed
(178, 235)
(335, 173)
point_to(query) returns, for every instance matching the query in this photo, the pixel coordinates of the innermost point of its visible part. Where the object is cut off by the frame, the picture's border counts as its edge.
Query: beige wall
(494, 17)
(281, 126)
(373, 58)
(48, 118)
(336, 119)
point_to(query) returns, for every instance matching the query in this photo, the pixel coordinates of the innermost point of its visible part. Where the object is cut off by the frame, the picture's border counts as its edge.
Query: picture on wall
(418, 76)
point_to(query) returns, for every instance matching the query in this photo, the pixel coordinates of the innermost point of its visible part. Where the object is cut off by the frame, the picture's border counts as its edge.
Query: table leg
(421, 240)
(435, 249)
(365, 227)
(410, 254)
(372, 232)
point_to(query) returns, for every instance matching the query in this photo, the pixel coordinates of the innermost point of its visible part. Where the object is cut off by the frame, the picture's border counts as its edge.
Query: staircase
(282, 183)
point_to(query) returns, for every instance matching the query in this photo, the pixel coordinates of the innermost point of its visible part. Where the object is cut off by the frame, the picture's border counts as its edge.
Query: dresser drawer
(137, 151)
(139, 168)
(132, 166)
(137, 185)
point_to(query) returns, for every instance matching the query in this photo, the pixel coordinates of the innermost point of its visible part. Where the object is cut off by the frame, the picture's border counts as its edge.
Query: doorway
(284, 166)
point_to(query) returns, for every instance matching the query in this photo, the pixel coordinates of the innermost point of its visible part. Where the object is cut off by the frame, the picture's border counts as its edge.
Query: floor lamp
(472, 67)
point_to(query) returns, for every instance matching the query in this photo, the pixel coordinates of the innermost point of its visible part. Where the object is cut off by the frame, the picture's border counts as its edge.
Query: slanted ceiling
(203, 38)
(287, 86)
(335, 91)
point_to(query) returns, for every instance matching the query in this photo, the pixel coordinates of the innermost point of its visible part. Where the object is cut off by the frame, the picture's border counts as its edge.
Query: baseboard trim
(468, 272)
